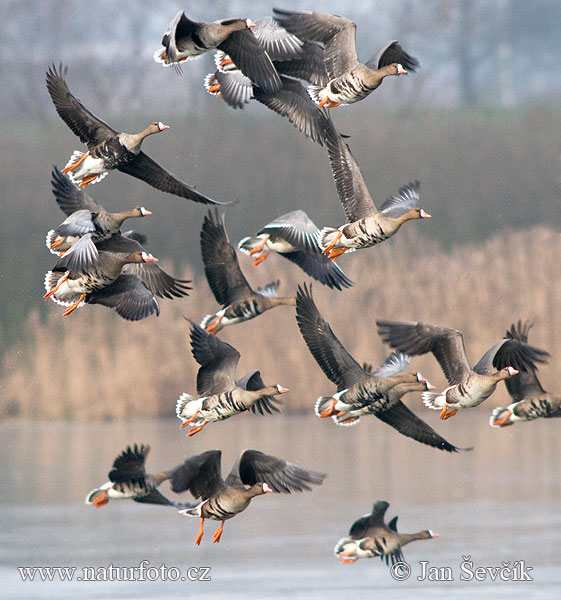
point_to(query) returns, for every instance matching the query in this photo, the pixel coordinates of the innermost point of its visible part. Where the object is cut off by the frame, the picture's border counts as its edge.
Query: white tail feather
(341, 420)
(344, 544)
(317, 93)
(210, 320)
(322, 403)
(249, 243)
(434, 400)
(326, 236)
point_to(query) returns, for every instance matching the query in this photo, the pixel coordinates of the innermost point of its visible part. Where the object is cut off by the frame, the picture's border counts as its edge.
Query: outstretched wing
(338, 365)
(222, 269)
(347, 175)
(408, 424)
(199, 474)
(129, 465)
(69, 196)
(283, 477)
(361, 527)
(128, 296)
(218, 362)
(415, 338)
(90, 129)
(145, 168)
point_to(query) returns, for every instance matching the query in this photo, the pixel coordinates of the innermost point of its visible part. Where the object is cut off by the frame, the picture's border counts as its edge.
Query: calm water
(498, 503)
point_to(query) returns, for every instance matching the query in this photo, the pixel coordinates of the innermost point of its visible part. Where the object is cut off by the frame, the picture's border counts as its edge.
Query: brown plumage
(185, 38)
(363, 387)
(109, 149)
(369, 536)
(253, 474)
(228, 283)
(531, 401)
(468, 387)
(349, 80)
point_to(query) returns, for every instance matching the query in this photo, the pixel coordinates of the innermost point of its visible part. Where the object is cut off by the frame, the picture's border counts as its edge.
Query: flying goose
(220, 395)
(84, 216)
(115, 273)
(107, 148)
(349, 80)
(185, 38)
(128, 480)
(366, 225)
(382, 404)
(369, 536)
(223, 499)
(227, 282)
(293, 60)
(531, 401)
(468, 387)
(294, 236)
(357, 387)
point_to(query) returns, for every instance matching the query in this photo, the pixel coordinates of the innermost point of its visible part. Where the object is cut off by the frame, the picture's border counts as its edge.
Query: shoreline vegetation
(95, 366)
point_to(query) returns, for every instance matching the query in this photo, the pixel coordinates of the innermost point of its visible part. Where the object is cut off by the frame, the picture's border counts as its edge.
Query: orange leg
(333, 104)
(87, 180)
(217, 534)
(214, 88)
(335, 252)
(329, 411)
(55, 289)
(201, 531)
(329, 246)
(260, 259)
(259, 247)
(196, 429)
(190, 419)
(75, 164)
(74, 306)
(350, 420)
(348, 561)
(211, 328)
(101, 500)
(446, 414)
(57, 243)
(503, 422)
(226, 61)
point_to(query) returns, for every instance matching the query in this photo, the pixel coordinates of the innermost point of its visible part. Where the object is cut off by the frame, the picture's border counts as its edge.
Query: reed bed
(95, 366)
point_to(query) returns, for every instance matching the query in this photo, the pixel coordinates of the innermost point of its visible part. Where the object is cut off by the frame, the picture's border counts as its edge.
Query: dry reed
(95, 365)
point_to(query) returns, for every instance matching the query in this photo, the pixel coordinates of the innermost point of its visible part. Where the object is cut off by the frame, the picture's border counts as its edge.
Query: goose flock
(299, 64)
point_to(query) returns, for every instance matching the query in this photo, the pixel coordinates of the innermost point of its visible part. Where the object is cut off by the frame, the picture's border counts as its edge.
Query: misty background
(478, 125)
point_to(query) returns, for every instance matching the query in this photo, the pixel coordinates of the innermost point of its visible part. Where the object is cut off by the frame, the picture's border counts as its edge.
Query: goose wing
(337, 364)
(415, 338)
(222, 269)
(283, 477)
(69, 196)
(128, 296)
(145, 168)
(200, 474)
(90, 129)
(218, 362)
(347, 175)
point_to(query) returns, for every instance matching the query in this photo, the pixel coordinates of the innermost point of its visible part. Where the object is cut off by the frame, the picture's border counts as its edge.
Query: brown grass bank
(94, 365)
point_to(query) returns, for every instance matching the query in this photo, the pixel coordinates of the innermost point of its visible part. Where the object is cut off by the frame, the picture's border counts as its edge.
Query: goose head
(140, 211)
(140, 256)
(259, 489)
(395, 69)
(506, 373)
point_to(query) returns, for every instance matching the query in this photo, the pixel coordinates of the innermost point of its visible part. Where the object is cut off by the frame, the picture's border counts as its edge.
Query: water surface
(497, 504)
